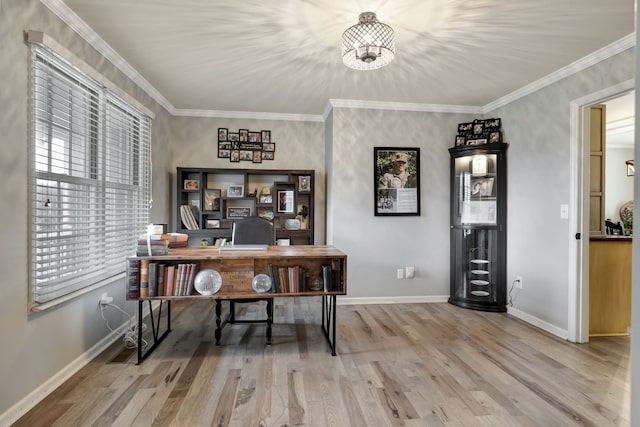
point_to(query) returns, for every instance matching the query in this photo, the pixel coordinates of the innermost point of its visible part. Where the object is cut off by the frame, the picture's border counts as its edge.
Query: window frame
(109, 179)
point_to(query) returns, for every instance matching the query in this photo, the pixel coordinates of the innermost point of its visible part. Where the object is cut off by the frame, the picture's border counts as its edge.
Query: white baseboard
(546, 326)
(37, 395)
(391, 300)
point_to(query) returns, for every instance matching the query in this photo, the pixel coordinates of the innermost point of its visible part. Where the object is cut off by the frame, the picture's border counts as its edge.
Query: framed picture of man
(396, 172)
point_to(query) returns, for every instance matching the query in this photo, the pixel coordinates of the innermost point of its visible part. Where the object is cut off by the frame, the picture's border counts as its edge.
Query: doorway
(578, 307)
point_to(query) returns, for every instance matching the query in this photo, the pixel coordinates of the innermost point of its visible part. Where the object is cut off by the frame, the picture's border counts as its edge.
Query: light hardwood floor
(397, 365)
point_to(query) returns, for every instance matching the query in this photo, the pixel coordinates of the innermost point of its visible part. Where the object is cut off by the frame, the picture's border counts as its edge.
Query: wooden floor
(397, 365)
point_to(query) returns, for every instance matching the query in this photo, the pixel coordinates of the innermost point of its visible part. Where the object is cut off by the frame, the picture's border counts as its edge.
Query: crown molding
(594, 58)
(249, 115)
(70, 18)
(404, 106)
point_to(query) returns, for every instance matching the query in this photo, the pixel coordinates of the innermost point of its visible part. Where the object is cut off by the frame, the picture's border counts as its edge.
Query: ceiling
(283, 57)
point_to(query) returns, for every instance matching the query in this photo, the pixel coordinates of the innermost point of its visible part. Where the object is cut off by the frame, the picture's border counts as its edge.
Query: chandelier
(368, 45)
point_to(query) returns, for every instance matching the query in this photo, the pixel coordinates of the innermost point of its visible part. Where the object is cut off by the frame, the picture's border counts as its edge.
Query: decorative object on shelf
(238, 213)
(212, 199)
(396, 173)
(283, 242)
(626, 215)
(261, 283)
(286, 201)
(304, 184)
(631, 167)
(265, 195)
(478, 132)
(303, 214)
(245, 145)
(191, 184)
(235, 191)
(207, 281)
(369, 44)
(292, 224)
(316, 284)
(266, 214)
(213, 223)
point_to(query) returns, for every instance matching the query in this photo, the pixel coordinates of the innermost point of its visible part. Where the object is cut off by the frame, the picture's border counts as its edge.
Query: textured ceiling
(284, 56)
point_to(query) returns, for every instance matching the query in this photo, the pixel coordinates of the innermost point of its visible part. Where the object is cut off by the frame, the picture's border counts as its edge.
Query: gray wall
(38, 346)
(538, 128)
(378, 246)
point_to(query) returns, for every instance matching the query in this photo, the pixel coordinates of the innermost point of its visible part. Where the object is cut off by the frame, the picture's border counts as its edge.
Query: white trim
(578, 285)
(545, 326)
(391, 300)
(249, 115)
(599, 55)
(405, 106)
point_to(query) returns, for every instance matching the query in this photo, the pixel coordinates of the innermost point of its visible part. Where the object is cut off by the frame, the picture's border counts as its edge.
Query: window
(90, 180)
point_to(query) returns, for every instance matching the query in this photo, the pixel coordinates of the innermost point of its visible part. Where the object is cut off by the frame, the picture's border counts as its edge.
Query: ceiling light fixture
(368, 45)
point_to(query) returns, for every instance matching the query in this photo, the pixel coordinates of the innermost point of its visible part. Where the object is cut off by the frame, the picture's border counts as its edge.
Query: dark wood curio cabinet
(478, 226)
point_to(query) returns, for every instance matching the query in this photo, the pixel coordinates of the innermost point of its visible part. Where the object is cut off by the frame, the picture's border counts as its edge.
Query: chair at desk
(611, 228)
(253, 231)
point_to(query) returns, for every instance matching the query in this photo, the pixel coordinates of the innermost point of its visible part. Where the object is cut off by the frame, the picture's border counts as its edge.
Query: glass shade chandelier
(368, 45)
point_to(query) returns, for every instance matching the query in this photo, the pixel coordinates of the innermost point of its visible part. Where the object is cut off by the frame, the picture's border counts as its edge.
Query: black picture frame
(222, 134)
(266, 135)
(396, 173)
(460, 140)
(254, 137)
(492, 124)
(238, 212)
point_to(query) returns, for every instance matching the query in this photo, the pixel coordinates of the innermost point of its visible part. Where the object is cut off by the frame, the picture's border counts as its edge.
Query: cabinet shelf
(214, 183)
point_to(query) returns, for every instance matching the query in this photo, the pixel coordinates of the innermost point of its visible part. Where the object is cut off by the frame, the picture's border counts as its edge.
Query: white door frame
(578, 307)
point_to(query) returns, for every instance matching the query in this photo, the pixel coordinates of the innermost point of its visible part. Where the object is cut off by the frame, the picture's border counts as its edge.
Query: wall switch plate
(518, 282)
(400, 273)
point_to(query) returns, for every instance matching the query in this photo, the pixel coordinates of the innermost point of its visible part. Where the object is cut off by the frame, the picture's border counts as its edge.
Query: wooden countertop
(612, 238)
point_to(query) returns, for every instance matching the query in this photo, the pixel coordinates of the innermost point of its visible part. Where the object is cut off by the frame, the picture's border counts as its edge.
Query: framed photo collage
(487, 131)
(245, 145)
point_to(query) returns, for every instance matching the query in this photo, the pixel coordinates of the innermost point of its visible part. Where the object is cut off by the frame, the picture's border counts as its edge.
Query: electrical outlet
(400, 273)
(519, 282)
(410, 272)
(106, 299)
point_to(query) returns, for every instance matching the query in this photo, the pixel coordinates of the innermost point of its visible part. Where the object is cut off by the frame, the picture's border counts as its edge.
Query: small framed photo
(478, 127)
(222, 134)
(465, 128)
(495, 137)
(271, 146)
(482, 187)
(257, 157)
(234, 156)
(266, 136)
(283, 242)
(493, 124)
(254, 137)
(191, 184)
(243, 135)
(286, 202)
(224, 153)
(460, 140)
(246, 155)
(267, 155)
(233, 136)
(235, 191)
(304, 184)
(213, 223)
(266, 198)
(212, 199)
(237, 212)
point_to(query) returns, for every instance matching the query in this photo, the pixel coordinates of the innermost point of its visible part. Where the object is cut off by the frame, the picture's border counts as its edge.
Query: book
(327, 278)
(153, 279)
(160, 279)
(170, 279)
(133, 279)
(144, 278)
(143, 250)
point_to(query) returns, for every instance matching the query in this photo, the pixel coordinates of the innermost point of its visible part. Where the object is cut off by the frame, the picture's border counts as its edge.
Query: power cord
(513, 284)
(130, 337)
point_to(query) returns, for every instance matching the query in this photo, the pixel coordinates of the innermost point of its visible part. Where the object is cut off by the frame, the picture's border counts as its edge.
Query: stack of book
(148, 278)
(148, 246)
(176, 240)
(188, 218)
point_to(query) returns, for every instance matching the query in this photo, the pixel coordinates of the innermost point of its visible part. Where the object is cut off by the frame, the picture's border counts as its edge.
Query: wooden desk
(237, 268)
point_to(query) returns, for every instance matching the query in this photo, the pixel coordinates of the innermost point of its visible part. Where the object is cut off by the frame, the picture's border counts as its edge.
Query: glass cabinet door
(478, 227)
(475, 187)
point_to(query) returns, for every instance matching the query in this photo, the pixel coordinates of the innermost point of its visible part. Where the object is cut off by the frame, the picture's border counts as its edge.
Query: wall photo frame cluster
(478, 132)
(245, 145)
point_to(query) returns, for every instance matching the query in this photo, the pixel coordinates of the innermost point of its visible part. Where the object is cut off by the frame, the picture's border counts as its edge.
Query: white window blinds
(90, 179)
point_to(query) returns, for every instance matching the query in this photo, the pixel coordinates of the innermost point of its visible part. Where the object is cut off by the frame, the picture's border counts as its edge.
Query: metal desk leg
(329, 321)
(155, 328)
